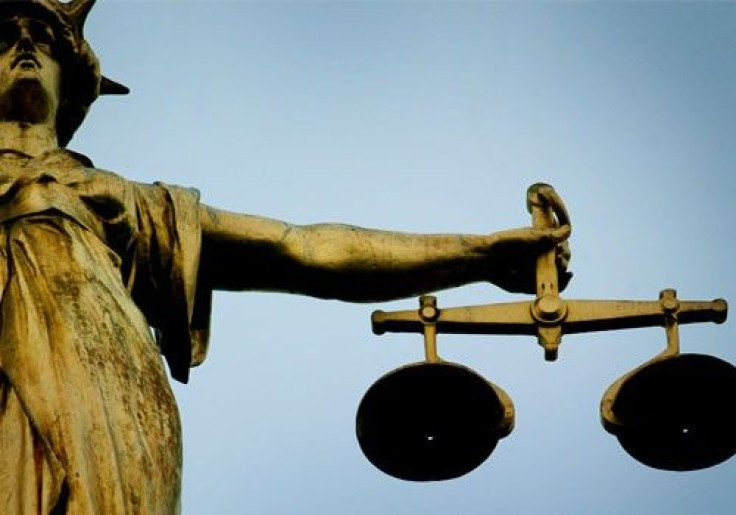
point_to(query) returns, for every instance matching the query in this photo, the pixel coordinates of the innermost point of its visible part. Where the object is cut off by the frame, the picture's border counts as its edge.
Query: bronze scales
(437, 420)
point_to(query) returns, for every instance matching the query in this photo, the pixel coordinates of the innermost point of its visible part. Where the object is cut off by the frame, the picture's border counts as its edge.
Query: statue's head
(60, 26)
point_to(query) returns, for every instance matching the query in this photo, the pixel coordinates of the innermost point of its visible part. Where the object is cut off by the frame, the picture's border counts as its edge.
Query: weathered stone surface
(89, 262)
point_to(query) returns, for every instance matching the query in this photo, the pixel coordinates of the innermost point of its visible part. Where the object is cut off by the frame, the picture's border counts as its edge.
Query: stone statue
(90, 262)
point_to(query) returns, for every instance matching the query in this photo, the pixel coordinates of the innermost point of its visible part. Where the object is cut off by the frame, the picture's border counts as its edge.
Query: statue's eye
(41, 33)
(9, 34)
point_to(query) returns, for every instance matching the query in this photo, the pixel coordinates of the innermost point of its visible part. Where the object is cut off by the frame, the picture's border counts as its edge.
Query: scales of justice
(90, 262)
(436, 420)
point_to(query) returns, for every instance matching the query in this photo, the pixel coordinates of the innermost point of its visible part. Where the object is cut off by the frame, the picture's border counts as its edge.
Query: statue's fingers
(564, 279)
(563, 252)
(562, 233)
(553, 236)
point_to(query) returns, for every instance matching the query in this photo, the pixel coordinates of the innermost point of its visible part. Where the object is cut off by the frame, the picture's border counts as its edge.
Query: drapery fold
(89, 262)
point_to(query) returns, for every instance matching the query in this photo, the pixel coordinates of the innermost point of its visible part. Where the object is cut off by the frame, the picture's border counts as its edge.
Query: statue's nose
(25, 40)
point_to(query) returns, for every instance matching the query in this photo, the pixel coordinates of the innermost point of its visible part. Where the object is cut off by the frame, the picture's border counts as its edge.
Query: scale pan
(678, 412)
(431, 421)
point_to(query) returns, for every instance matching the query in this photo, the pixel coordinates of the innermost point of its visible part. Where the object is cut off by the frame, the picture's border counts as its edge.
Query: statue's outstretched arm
(242, 252)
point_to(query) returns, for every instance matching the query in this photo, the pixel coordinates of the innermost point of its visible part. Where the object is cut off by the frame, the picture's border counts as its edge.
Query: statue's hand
(513, 257)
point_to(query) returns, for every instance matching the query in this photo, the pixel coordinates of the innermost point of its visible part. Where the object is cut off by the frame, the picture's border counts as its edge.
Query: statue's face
(30, 76)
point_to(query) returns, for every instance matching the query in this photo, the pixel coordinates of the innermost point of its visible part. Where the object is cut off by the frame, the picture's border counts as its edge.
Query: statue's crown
(69, 18)
(82, 82)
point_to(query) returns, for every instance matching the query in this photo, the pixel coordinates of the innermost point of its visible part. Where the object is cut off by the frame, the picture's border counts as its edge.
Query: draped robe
(98, 280)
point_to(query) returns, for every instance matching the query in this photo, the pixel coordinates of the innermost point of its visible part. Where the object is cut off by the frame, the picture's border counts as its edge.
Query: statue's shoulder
(76, 158)
(81, 166)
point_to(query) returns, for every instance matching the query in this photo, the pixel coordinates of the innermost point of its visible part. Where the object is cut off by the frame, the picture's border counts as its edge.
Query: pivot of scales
(437, 420)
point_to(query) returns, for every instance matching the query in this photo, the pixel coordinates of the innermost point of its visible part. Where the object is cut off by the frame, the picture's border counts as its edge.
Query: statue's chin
(26, 101)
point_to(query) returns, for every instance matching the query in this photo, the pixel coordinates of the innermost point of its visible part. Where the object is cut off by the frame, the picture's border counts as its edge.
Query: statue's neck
(31, 139)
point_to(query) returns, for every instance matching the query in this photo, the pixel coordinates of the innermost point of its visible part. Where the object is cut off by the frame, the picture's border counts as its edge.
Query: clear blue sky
(434, 117)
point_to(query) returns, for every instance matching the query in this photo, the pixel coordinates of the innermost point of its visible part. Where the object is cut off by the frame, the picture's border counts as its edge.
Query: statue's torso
(89, 417)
